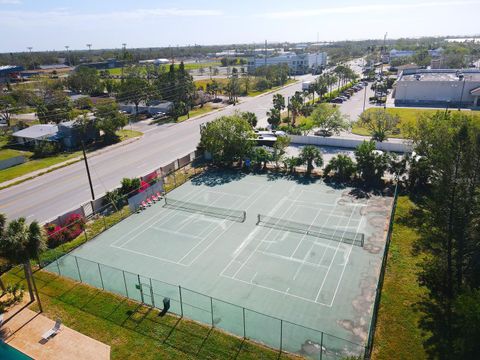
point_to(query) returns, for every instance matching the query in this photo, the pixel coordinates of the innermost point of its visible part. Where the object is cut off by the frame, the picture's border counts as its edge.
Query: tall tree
(311, 155)
(380, 123)
(134, 88)
(85, 80)
(371, 165)
(295, 106)
(109, 120)
(329, 120)
(227, 138)
(19, 243)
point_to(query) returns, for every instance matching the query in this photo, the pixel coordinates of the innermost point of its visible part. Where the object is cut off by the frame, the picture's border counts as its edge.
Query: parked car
(344, 98)
(337, 100)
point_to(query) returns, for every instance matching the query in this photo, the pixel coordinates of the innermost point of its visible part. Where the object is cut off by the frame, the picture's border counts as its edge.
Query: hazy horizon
(52, 24)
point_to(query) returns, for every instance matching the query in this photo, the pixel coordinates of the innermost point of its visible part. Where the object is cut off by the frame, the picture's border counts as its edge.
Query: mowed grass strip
(408, 119)
(397, 335)
(135, 331)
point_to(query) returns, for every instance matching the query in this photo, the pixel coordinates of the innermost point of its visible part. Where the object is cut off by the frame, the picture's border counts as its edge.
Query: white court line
(173, 214)
(155, 215)
(276, 290)
(345, 265)
(311, 247)
(290, 259)
(256, 248)
(330, 211)
(226, 193)
(176, 233)
(223, 232)
(148, 255)
(250, 237)
(330, 266)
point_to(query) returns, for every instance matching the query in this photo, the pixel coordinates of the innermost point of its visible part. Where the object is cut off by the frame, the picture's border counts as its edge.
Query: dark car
(337, 100)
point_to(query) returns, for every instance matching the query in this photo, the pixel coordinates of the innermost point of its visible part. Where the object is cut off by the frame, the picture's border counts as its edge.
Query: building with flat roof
(438, 88)
(298, 63)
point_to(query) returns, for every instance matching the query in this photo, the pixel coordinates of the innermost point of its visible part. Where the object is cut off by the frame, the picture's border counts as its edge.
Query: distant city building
(298, 64)
(438, 88)
(155, 61)
(9, 73)
(103, 65)
(395, 54)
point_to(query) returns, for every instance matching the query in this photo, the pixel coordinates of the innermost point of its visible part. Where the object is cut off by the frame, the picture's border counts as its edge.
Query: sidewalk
(23, 328)
(36, 173)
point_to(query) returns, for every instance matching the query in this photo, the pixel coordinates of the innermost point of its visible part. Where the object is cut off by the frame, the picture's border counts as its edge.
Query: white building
(298, 64)
(438, 88)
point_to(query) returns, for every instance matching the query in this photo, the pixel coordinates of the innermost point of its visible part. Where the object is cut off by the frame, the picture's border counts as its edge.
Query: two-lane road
(49, 195)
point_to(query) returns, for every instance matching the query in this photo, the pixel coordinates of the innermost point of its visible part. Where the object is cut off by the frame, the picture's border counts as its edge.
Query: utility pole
(68, 55)
(88, 171)
(383, 51)
(124, 47)
(266, 53)
(90, 51)
(31, 59)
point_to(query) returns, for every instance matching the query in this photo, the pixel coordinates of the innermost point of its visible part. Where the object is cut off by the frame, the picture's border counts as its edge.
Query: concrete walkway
(23, 328)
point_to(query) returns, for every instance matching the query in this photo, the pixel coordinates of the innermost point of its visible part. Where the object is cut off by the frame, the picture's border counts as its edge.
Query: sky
(52, 24)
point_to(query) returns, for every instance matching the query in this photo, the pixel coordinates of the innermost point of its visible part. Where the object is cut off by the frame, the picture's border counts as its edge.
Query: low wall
(399, 147)
(17, 160)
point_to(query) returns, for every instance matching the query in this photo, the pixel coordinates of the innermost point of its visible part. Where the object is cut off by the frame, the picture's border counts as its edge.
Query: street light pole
(31, 59)
(88, 170)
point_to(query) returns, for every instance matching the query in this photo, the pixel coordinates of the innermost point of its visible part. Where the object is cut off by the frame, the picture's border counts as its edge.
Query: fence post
(85, 233)
(125, 282)
(181, 302)
(78, 269)
(244, 325)
(151, 292)
(58, 266)
(174, 179)
(140, 288)
(321, 346)
(281, 335)
(211, 310)
(101, 278)
(104, 223)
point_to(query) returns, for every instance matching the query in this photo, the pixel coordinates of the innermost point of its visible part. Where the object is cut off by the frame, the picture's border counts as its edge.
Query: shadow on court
(218, 177)
(183, 335)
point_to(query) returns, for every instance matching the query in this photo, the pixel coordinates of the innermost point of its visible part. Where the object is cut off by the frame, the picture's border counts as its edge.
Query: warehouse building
(438, 88)
(298, 63)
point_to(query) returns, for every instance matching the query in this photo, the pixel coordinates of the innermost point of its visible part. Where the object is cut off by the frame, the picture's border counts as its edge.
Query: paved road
(49, 195)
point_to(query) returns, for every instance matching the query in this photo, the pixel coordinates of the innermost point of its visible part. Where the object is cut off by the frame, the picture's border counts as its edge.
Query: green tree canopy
(228, 138)
(342, 166)
(329, 120)
(311, 155)
(380, 123)
(85, 80)
(109, 120)
(371, 165)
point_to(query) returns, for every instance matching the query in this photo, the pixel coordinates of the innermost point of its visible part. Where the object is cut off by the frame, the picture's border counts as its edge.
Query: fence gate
(146, 291)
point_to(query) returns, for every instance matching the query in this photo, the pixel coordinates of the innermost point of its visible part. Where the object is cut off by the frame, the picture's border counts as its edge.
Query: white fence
(389, 146)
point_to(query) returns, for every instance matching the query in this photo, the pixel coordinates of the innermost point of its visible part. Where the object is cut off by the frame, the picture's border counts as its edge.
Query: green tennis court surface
(316, 270)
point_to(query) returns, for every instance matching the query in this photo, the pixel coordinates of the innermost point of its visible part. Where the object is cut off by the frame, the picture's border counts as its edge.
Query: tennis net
(343, 236)
(223, 213)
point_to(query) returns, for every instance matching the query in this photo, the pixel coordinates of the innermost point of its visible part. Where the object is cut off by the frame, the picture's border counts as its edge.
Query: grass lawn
(397, 335)
(203, 83)
(10, 153)
(126, 134)
(224, 82)
(38, 164)
(407, 117)
(197, 111)
(118, 70)
(134, 331)
(256, 93)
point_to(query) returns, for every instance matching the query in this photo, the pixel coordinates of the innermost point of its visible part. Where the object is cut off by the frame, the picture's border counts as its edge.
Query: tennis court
(282, 248)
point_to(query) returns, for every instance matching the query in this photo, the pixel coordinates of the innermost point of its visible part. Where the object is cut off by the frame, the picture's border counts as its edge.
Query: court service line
(155, 215)
(345, 265)
(258, 245)
(160, 220)
(331, 262)
(276, 290)
(295, 260)
(223, 232)
(311, 247)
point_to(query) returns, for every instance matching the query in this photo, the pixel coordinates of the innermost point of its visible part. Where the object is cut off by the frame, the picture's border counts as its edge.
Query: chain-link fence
(378, 293)
(237, 320)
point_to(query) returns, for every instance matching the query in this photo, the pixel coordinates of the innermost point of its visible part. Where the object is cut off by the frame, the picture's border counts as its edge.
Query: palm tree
(19, 243)
(296, 103)
(309, 155)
